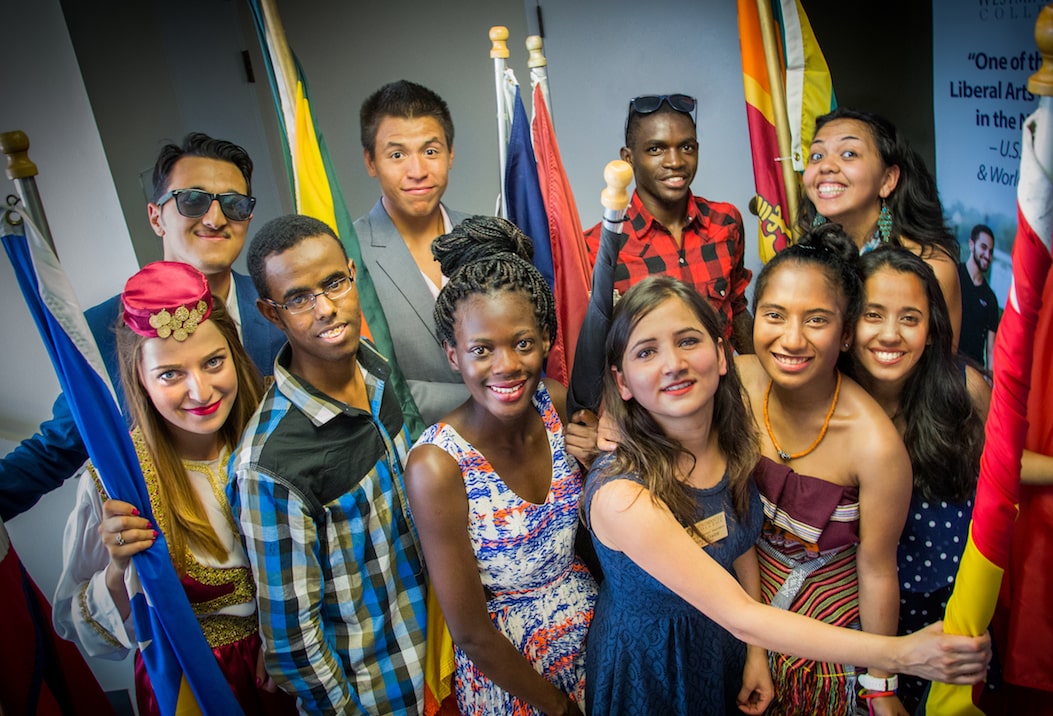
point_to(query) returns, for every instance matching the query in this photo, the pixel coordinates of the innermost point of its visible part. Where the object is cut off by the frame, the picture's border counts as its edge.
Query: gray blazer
(408, 305)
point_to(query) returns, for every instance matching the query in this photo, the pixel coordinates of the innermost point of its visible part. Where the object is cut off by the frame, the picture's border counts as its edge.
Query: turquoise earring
(884, 223)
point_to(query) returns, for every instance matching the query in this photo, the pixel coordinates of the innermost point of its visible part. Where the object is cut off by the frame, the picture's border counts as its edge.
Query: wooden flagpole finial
(534, 45)
(16, 146)
(499, 41)
(1041, 83)
(617, 174)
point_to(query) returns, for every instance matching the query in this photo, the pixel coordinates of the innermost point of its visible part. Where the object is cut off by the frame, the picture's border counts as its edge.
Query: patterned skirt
(824, 588)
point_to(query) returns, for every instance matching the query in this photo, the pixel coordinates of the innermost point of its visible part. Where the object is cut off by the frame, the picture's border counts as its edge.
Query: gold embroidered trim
(223, 629)
(106, 636)
(239, 577)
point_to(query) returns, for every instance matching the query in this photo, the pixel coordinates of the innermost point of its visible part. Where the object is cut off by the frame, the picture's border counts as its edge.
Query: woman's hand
(934, 655)
(264, 681)
(887, 706)
(569, 708)
(757, 689)
(124, 533)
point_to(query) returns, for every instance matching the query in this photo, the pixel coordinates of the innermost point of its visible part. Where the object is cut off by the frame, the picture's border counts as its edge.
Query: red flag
(570, 257)
(987, 552)
(1028, 621)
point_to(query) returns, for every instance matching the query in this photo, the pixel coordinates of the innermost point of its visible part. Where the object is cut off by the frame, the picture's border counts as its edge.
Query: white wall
(44, 96)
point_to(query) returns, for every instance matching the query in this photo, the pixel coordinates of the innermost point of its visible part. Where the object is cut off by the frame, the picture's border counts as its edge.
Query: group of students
(745, 509)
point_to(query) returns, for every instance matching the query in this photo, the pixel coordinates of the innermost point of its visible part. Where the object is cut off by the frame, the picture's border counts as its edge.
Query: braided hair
(484, 255)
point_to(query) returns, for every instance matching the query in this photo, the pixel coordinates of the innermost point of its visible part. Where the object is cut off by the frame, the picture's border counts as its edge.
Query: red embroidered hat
(166, 298)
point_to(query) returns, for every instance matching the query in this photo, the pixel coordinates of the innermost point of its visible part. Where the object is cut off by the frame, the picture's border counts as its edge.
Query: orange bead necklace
(786, 457)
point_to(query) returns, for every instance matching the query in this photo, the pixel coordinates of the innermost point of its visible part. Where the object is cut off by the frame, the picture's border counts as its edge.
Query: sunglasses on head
(195, 203)
(648, 103)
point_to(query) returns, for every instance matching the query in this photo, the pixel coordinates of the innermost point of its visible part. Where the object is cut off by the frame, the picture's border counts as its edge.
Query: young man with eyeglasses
(407, 144)
(316, 487)
(669, 230)
(201, 209)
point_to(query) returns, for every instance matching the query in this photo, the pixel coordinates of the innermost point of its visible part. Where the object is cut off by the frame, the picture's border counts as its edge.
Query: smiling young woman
(863, 174)
(494, 489)
(190, 388)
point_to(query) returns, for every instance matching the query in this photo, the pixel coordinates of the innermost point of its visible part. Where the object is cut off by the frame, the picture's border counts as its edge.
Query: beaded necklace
(785, 456)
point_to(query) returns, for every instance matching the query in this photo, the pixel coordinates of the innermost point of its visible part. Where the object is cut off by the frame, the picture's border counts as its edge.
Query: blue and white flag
(183, 672)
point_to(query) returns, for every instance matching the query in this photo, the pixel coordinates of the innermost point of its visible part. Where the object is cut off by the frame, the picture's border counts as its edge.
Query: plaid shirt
(710, 255)
(316, 486)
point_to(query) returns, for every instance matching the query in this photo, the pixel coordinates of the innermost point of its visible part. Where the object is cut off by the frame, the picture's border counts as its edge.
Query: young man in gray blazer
(407, 144)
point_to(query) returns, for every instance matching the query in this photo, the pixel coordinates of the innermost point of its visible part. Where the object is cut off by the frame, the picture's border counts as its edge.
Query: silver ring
(120, 539)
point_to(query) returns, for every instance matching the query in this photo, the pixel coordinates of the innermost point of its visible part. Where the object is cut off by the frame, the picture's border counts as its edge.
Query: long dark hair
(915, 202)
(644, 448)
(944, 432)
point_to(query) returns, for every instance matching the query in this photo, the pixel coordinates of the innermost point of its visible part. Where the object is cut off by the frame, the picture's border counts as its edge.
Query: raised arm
(625, 518)
(439, 506)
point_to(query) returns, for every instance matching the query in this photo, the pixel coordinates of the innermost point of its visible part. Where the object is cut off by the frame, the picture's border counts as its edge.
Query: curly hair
(278, 236)
(644, 448)
(915, 202)
(483, 255)
(944, 432)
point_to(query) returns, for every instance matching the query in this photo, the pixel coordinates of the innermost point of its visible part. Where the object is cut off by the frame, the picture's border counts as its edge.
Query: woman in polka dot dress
(903, 357)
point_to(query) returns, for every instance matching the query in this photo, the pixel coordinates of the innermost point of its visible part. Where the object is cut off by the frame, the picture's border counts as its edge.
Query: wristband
(872, 683)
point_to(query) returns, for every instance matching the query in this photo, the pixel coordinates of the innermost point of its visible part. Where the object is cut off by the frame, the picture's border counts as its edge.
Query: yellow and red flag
(787, 82)
(987, 552)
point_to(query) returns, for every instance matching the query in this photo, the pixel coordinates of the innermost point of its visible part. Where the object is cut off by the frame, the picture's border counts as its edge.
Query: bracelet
(866, 694)
(872, 683)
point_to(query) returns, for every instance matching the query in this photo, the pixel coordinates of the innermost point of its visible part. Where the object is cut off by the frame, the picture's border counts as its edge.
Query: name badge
(713, 529)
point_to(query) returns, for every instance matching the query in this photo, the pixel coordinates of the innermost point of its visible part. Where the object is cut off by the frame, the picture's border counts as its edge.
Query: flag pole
(22, 171)
(772, 59)
(499, 54)
(538, 68)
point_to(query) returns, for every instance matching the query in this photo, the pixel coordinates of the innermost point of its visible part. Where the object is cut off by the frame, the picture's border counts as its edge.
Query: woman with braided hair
(493, 490)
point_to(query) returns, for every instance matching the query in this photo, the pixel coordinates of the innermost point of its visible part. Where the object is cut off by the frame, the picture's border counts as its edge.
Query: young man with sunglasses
(669, 230)
(201, 209)
(407, 144)
(316, 487)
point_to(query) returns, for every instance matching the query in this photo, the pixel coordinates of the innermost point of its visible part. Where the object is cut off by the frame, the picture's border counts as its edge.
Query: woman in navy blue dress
(672, 507)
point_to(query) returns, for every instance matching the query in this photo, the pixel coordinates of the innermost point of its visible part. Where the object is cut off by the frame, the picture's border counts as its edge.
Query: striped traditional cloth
(824, 588)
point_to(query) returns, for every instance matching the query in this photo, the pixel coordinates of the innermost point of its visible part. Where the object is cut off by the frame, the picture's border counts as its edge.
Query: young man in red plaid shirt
(670, 231)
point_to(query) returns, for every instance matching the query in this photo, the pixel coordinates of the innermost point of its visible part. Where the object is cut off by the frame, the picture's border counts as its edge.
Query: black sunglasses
(195, 203)
(648, 103)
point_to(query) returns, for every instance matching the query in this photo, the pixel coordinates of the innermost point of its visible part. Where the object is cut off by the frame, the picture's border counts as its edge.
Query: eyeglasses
(302, 302)
(648, 103)
(195, 203)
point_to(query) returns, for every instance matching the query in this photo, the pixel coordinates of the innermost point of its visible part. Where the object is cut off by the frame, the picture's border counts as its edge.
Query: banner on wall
(983, 52)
